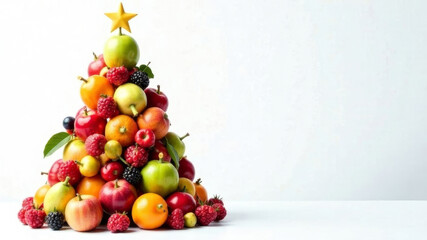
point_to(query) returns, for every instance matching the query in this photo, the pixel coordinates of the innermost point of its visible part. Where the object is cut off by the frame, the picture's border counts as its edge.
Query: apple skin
(117, 196)
(112, 171)
(121, 50)
(159, 177)
(52, 178)
(181, 200)
(159, 148)
(186, 169)
(74, 150)
(96, 66)
(128, 95)
(156, 98)
(87, 123)
(155, 119)
(83, 213)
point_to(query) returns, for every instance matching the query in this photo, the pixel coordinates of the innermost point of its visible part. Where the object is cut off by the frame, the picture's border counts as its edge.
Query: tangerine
(149, 211)
(121, 128)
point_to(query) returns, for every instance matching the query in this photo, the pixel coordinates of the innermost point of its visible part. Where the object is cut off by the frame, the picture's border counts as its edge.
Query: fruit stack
(120, 164)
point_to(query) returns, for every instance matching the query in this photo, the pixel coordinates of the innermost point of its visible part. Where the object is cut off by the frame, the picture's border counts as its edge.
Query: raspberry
(107, 107)
(215, 199)
(176, 219)
(35, 218)
(70, 169)
(136, 156)
(21, 214)
(118, 222)
(205, 214)
(140, 78)
(28, 202)
(220, 211)
(55, 220)
(117, 75)
(132, 175)
(95, 144)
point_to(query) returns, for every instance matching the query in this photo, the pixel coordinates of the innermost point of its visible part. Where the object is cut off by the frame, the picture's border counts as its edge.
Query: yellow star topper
(120, 19)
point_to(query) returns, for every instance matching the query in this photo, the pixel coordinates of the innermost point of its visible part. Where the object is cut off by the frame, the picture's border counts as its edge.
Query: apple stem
(116, 183)
(44, 173)
(133, 109)
(80, 197)
(120, 31)
(78, 163)
(161, 156)
(94, 55)
(186, 135)
(82, 79)
(158, 89)
(67, 179)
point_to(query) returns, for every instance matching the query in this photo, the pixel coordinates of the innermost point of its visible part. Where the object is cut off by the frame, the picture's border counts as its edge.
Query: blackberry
(55, 220)
(132, 175)
(140, 78)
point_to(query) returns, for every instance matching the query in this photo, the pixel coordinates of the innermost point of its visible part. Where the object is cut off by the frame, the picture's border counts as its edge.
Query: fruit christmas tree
(120, 164)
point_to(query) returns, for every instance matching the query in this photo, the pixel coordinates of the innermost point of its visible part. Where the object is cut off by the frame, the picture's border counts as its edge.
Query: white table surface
(266, 220)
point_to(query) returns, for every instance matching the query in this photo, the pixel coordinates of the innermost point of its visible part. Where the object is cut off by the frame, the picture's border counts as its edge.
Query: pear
(130, 99)
(177, 143)
(57, 196)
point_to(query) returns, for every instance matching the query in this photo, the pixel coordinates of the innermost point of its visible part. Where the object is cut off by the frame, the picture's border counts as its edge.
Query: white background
(284, 100)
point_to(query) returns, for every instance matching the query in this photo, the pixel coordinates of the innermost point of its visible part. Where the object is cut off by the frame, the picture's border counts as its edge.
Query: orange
(201, 193)
(149, 211)
(90, 185)
(92, 89)
(39, 196)
(121, 128)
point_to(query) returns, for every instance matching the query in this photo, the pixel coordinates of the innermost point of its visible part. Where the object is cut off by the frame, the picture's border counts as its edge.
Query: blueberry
(68, 123)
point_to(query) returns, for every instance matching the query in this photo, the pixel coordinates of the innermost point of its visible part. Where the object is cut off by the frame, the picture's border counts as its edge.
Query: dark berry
(55, 220)
(68, 123)
(132, 175)
(140, 78)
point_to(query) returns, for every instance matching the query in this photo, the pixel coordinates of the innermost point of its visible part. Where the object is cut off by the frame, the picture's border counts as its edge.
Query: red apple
(117, 196)
(52, 178)
(96, 65)
(186, 169)
(145, 138)
(159, 148)
(181, 200)
(156, 98)
(155, 119)
(87, 123)
(83, 213)
(112, 171)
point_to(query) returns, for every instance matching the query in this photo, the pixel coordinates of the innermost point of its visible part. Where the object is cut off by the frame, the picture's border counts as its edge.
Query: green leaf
(172, 152)
(147, 70)
(55, 142)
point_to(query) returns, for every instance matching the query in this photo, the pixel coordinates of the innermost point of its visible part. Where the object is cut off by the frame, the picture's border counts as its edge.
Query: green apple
(130, 99)
(121, 50)
(177, 143)
(159, 177)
